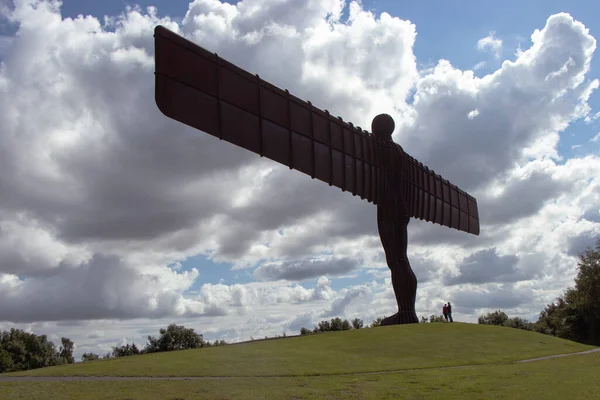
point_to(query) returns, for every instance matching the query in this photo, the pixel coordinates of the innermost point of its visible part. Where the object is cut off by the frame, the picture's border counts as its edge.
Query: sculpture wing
(432, 198)
(199, 89)
(202, 90)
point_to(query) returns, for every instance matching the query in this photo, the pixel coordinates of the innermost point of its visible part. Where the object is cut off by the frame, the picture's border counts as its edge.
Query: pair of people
(447, 310)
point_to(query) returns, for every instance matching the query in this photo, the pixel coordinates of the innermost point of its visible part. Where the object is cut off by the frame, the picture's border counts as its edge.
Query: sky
(116, 221)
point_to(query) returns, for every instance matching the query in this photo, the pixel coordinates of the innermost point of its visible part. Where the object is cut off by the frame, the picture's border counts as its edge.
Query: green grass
(573, 377)
(367, 350)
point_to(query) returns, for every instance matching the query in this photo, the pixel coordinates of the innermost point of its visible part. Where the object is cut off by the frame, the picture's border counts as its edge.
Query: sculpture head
(383, 126)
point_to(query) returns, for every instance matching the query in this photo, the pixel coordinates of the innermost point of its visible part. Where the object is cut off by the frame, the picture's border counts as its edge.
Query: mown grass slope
(570, 378)
(366, 350)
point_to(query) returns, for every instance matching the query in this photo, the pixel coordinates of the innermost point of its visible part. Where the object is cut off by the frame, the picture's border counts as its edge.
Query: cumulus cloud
(103, 198)
(490, 43)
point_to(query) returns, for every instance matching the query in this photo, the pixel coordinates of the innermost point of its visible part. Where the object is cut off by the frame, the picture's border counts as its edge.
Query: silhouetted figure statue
(392, 222)
(201, 90)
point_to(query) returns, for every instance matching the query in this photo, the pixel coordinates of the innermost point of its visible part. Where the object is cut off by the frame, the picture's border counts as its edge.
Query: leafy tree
(305, 331)
(576, 314)
(337, 324)
(6, 362)
(585, 298)
(519, 323)
(21, 351)
(125, 350)
(346, 325)
(377, 322)
(66, 351)
(89, 357)
(494, 318)
(423, 320)
(324, 326)
(174, 337)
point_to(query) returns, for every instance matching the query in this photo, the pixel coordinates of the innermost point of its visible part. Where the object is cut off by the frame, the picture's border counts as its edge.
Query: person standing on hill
(449, 312)
(445, 312)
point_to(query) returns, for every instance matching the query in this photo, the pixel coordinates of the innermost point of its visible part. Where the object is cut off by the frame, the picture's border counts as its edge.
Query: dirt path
(558, 356)
(187, 378)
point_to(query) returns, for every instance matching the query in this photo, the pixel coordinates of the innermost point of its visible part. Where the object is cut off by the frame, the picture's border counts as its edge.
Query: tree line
(21, 351)
(173, 338)
(335, 324)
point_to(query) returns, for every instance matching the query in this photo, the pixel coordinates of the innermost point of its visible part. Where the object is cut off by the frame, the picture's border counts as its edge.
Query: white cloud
(595, 138)
(589, 118)
(479, 65)
(490, 43)
(103, 197)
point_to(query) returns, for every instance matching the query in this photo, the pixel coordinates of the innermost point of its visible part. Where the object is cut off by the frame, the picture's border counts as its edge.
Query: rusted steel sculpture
(202, 90)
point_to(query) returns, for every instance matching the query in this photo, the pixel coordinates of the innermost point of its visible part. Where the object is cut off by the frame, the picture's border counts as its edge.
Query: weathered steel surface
(204, 91)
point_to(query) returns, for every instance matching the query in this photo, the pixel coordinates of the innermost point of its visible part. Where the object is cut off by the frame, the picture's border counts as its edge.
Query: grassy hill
(392, 348)
(336, 366)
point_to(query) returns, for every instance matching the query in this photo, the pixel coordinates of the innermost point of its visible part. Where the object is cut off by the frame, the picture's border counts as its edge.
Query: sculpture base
(401, 317)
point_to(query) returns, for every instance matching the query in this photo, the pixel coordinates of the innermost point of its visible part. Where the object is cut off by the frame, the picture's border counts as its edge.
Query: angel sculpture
(202, 90)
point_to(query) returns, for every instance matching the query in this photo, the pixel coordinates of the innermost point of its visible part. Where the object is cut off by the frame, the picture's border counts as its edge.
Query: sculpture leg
(394, 238)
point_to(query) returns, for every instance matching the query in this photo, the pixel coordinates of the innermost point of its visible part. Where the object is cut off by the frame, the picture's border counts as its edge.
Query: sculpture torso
(391, 206)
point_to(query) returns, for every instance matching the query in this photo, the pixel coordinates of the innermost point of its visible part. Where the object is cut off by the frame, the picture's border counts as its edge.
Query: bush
(494, 318)
(89, 357)
(175, 337)
(437, 318)
(357, 323)
(377, 322)
(125, 350)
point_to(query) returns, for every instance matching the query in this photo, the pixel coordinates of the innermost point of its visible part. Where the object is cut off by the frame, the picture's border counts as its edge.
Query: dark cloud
(503, 298)
(302, 320)
(486, 266)
(592, 215)
(304, 270)
(576, 245)
(338, 306)
(103, 287)
(522, 198)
